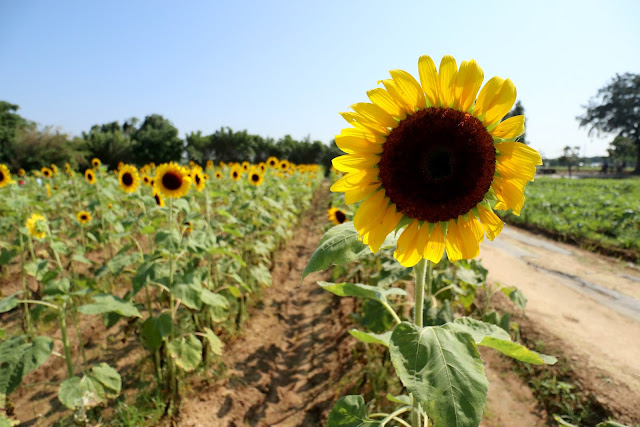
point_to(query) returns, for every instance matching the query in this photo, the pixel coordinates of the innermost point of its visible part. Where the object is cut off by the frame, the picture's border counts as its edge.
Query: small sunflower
(336, 216)
(218, 175)
(120, 165)
(172, 180)
(90, 176)
(187, 227)
(129, 178)
(21, 172)
(145, 179)
(46, 172)
(256, 177)
(434, 159)
(209, 164)
(83, 217)
(273, 161)
(284, 165)
(262, 166)
(205, 176)
(5, 175)
(37, 226)
(159, 200)
(236, 173)
(198, 179)
(54, 168)
(245, 166)
(95, 162)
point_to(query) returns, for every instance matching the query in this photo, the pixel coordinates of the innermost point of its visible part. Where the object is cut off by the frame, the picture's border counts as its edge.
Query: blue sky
(289, 67)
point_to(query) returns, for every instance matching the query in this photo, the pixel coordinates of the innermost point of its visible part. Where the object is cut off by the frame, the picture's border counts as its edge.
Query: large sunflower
(90, 176)
(172, 180)
(37, 226)
(433, 159)
(5, 175)
(129, 178)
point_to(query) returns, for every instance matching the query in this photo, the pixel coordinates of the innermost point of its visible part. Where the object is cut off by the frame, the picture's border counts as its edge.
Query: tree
(156, 141)
(518, 110)
(35, 148)
(109, 142)
(11, 124)
(570, 157)
(616, 109)
(621, 152)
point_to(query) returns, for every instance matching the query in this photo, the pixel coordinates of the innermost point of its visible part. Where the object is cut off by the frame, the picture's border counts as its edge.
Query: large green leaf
(33, 357)
(81, 392)
(488, 335)
(11, 353)
(110, 303)
(444, 372)
(186, 351)
(340, 245)
(350, 411)
(154, 330)
(10, 302)
(108, 377)
(188, 294)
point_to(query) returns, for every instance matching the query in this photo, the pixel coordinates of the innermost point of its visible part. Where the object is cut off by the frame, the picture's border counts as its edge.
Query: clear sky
(289, 67)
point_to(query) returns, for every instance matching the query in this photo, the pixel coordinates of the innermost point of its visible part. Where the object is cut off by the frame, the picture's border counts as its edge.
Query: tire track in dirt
(282, 371)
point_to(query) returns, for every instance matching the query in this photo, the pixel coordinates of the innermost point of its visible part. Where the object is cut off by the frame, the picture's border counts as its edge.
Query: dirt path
(283, 371)
(587, 302)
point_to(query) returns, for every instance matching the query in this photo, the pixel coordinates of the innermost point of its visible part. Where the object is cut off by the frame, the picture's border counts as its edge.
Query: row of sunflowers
(173, 254)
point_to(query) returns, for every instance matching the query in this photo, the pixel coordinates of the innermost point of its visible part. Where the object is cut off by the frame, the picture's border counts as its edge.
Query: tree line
(25, 145)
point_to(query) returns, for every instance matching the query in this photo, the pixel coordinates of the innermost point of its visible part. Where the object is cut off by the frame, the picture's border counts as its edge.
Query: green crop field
(591, 211)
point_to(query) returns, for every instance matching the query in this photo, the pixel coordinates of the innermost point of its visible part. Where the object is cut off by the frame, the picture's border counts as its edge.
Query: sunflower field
(175, 253)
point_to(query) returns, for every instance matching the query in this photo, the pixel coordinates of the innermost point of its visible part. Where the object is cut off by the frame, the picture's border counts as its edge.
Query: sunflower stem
(25, 290)
(420, 271)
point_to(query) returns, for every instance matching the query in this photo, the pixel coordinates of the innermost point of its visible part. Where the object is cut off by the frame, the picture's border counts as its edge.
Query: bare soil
(283, 371)
(585, 305)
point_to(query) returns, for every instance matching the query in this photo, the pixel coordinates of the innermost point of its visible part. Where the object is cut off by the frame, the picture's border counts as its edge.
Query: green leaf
(154, 330)
(362, 291)
(7, 255)
(33, 357)
(10, 302)
(186, 351)
(218, 305)
(350, 411)
(261, 274)
(371, 338)
(374, 317)
(444, 372)
(82, 259)
(110, 303)
(11, 354)
(81, 392)
(215, 343)
(488, 335)
(516, 296)
(188, 294)
(402, 399)
(340, 245)
(108, 377)
(168, 240)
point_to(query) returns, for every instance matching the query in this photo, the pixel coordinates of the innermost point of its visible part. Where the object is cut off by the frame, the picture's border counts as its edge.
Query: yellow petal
(375, 114)
(510, 194)
(354, 180)
(495, 100)
(370, 211)
(511, 128)
(434, 248)
(475, 227)
(510, 168)
(409, 89)
(491, 223)
(355, 162)
(407, 252)
(358, 121)
(382, 99)
(468, 82)
(446, 80)
(429, 80)
(394, 92)
(376, 235)
(354, 196)
(353, 140)
(462, 239)
(518, 152)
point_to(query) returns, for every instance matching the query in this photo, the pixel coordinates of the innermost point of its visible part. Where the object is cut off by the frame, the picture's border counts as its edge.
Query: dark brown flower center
(340, 216)
(1, 176)
(172, 180)
(158, 200)
(127, 179)
(198, 180)
(255, 177)
(437, 164)
(83, 217)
